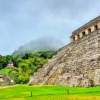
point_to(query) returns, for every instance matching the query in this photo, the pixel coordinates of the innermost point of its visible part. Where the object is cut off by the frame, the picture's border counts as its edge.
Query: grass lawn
(4, 71)
(24, 92)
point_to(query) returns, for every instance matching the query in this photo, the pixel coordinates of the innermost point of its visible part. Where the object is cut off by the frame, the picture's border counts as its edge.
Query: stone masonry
(77, 64)
(4, 79)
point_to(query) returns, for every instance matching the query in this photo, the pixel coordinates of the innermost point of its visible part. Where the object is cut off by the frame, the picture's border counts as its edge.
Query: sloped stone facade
(5, 79)
(77, 64)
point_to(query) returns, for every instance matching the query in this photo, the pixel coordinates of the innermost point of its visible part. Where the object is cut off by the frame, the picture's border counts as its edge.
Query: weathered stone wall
(5, 79)
(77, 64)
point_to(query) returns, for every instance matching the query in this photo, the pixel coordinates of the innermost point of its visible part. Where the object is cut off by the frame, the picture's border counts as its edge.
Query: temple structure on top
(10, 64)
(76, 64)
(86, 29)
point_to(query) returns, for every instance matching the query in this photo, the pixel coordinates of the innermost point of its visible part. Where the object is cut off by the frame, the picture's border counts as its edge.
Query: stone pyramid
(77, 64)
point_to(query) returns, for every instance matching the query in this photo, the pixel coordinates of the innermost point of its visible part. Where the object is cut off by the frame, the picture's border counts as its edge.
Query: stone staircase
(77, 64)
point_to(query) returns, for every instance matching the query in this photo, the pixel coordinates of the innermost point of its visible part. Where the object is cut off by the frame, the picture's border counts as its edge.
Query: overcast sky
(24, 20)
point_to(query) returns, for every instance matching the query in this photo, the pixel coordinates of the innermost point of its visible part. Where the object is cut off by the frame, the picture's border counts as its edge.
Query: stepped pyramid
(78, 63)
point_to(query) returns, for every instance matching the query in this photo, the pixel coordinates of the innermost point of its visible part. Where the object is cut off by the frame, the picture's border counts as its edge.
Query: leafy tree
(3, 62)
(26, 64)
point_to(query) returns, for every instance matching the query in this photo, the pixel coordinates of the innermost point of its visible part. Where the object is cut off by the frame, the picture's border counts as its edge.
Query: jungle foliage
(25, 64)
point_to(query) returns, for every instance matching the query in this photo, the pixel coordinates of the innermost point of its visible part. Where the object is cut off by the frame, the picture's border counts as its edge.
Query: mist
(22, 21)
(44, 43)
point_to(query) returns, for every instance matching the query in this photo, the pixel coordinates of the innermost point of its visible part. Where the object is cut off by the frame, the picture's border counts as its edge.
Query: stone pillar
(81, 35)
(93, 28)
(76, 37)
(86, 32)
(72, 39)
(98, 25)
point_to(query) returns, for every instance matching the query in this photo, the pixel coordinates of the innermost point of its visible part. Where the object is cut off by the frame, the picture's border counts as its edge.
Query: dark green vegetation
(23, 92)
(25, 64)
(4, 60)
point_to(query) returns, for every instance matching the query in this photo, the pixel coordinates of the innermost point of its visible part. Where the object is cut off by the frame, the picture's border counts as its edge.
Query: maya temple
(86, 29)
(76, 64)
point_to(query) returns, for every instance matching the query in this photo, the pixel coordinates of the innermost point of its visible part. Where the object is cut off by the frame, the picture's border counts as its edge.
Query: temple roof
(91, 22)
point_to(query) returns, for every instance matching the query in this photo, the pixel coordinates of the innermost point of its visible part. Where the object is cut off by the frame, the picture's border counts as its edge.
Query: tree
(28, 63)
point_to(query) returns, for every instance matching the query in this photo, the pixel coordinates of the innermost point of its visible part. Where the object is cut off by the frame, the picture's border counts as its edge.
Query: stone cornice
(91, 22)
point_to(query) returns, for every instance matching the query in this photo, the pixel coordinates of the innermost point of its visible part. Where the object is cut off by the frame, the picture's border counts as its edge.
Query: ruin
(86, 29)
(4, 79)
(78, 63)
(10, 64)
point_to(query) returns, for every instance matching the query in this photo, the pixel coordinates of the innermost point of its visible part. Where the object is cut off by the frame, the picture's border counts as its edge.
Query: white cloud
(25, 20)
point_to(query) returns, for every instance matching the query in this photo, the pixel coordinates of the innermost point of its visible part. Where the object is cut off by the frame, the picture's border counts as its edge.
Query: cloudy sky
(24, 20)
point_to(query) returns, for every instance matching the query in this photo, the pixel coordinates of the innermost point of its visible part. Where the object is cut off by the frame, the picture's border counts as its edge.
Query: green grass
(4, 71)
(23, 92)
